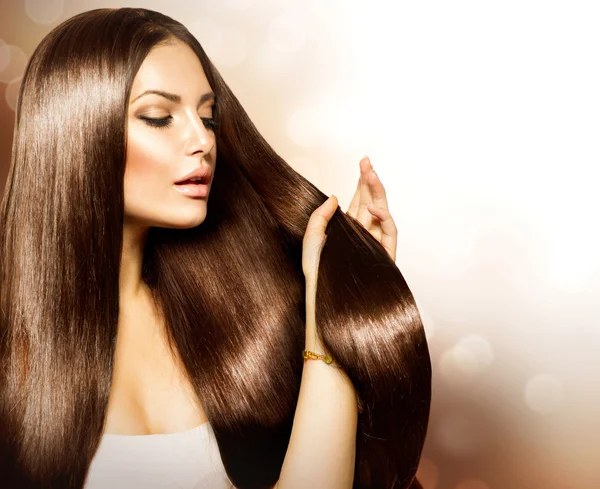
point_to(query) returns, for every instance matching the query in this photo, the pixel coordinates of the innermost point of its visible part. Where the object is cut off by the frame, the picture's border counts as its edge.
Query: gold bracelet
(309, 355)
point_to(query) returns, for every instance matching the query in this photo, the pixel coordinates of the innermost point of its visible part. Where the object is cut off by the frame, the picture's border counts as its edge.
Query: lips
(192, 189)
(195, 183)
(201, 175)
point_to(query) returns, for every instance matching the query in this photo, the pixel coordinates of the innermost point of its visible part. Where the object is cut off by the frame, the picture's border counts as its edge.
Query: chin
(186, 220)
(189, 224)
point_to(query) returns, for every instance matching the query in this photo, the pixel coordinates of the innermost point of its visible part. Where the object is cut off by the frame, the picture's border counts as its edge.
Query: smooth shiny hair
(230, 291)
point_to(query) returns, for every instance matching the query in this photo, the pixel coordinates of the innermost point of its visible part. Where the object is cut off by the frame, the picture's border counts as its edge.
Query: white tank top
(186, 460)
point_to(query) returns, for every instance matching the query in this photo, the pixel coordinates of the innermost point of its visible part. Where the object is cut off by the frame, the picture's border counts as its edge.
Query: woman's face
(169, 135)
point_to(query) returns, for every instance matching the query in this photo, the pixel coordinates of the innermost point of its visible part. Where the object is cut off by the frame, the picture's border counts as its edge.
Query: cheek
(150, 160)
(149, 168)
(148, 153)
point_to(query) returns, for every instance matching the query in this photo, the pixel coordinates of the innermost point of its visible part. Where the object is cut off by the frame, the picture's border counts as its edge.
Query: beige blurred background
(483, 120)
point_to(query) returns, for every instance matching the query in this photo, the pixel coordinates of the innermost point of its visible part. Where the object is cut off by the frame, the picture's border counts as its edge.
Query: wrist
(310, 286)
(313, 343)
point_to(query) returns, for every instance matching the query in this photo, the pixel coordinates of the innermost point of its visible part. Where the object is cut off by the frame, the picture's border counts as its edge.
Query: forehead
(173, 67)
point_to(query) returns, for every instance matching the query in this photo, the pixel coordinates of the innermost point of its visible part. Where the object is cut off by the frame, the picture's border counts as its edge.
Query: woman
(128, 309)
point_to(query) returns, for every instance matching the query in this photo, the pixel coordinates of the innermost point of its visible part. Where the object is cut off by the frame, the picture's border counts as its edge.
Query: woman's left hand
(368, 206)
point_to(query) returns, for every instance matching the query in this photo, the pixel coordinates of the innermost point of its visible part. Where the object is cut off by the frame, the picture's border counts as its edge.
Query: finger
(315, 236)
(317, 224)
(363, 215)
(353, 207)
(389, 235)
(377, 190)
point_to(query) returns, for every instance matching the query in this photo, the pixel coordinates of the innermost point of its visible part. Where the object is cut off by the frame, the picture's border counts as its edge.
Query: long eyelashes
(165, 122)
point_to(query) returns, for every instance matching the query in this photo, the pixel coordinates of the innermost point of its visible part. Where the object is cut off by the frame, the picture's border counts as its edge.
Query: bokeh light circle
(12, 92)
(14, 60)
(478, 347)
(4, 55)
(44, 11)
(471, 355)
(427, 473)
(544, 393)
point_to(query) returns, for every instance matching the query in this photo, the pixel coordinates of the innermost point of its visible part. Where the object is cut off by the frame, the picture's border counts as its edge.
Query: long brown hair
(231, 290)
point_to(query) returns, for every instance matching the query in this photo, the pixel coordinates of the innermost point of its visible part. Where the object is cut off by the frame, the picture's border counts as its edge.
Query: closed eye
(210, 124)
(165, 122)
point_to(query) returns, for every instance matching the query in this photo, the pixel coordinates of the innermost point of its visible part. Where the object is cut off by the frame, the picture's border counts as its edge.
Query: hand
(369, 207)
(315, 237)
(312, 244)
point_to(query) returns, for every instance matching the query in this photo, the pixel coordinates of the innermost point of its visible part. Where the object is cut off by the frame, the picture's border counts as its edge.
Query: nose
(199, 139)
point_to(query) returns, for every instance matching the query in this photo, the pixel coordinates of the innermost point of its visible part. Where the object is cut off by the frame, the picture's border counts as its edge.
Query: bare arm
(322, 447)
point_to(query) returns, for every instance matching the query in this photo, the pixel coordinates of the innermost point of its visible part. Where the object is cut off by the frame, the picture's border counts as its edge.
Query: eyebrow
(175, 98)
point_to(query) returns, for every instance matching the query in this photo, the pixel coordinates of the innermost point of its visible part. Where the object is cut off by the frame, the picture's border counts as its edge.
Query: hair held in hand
(231, 290)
